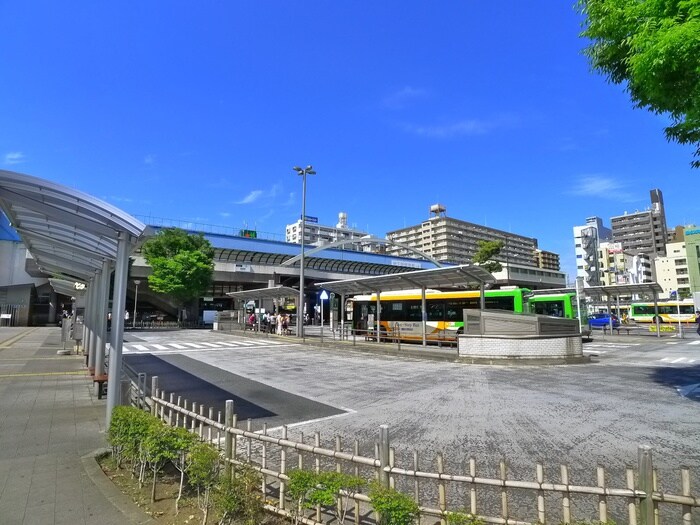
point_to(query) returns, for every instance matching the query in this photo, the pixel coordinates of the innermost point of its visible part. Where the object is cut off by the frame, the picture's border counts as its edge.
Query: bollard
(154, 393)
(228, 446)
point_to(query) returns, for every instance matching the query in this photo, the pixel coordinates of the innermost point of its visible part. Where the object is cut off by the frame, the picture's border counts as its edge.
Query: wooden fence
(498, 500)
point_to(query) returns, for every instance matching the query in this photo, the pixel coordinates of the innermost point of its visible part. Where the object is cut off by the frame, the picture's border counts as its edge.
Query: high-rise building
(317, 234)
(456, 241)
(587, 241)
(643, 231)
(547, 260)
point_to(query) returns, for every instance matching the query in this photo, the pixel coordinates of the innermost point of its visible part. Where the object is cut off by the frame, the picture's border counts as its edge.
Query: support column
(342, 316)
(377, 317)
(92, 314)
(656, 315)
(118, 307)
(424, 315)
(101, 326)
(86, 329)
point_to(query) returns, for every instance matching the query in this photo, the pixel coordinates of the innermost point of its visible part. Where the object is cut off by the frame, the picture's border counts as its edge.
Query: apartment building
(643, 231)
(318, 234)
(672, 271)
(455, 241)
(587, 240)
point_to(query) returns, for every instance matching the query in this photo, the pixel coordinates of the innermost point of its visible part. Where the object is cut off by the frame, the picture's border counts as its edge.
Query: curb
(110, 491)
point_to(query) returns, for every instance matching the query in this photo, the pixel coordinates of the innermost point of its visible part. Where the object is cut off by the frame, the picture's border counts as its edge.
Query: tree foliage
(182, 263)
(486, 254)
(653, 48)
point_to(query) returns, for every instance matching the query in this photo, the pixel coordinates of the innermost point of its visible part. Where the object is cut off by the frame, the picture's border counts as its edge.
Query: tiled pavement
(51, 423)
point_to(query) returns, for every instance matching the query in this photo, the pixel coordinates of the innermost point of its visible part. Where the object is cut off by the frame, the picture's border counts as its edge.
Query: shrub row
(146, 444)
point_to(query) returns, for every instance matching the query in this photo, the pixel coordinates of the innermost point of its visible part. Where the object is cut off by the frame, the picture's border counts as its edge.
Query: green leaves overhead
(653, 48)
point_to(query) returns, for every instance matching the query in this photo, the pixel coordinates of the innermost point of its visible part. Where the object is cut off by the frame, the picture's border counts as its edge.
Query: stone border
(110, 491)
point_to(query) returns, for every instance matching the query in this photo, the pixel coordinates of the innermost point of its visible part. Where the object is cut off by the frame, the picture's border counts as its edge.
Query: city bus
(554, 304)
(401, 311)
(668, 312)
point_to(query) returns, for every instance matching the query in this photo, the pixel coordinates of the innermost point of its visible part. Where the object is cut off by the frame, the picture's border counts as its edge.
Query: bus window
(436, 311)
(553, 308)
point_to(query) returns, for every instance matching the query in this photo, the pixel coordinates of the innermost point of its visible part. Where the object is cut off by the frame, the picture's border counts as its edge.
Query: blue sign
(308, 218)
(692, 232)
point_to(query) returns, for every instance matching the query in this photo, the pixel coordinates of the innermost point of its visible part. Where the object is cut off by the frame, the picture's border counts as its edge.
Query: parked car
(602, 320)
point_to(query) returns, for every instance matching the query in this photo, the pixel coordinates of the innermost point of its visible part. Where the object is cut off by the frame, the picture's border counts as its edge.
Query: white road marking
(694, 343)
(175, 345)
(671, 343)
(140, 347)
(159, 347)
(211, 345)
(193, 345)
(346, 412)
(679, 360)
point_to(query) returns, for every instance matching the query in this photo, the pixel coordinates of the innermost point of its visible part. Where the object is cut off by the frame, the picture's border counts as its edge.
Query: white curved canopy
(66, 231)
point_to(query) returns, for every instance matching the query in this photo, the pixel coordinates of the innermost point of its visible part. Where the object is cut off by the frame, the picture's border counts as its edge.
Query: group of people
(272, 323)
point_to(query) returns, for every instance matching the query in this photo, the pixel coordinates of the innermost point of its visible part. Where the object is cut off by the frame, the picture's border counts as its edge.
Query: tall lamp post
(300, 307)
(136, 298)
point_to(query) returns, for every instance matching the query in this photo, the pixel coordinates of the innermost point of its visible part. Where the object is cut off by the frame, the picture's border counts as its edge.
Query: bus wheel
(460, 330)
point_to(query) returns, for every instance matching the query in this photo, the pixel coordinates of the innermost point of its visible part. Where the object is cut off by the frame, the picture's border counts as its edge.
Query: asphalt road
(636, 391)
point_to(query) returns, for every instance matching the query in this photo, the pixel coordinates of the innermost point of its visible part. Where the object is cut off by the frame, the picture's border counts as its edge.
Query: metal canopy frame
(76, 236)
(64, 287)
(273, 292)
(462, 276)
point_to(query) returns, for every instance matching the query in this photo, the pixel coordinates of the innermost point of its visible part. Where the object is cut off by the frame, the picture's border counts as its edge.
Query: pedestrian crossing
(182, 346)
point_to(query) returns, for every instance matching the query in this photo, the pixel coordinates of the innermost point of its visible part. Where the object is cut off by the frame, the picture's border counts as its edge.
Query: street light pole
(136, 298)
(300, 307)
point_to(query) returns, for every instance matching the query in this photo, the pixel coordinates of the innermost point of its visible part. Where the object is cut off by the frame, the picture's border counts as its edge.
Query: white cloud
(251, 197)
(225, 214)
(442, 131)
(602, 186)
(14, 157)
(402, 97)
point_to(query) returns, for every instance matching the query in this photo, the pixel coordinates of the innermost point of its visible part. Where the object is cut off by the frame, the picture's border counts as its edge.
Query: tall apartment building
(587, 241)
(643, 231)
(317, 234)
(619, 267)
(456, 241)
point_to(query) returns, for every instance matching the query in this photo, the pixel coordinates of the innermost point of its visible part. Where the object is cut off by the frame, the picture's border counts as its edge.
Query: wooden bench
(101, 382)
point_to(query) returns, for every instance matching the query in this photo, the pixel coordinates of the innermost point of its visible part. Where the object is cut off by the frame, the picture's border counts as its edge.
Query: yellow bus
(668, 312)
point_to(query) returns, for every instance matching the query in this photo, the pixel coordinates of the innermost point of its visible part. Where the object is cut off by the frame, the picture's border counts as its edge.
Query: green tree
(485, 255)
(182, 264)
(653, 48)
(203, 473)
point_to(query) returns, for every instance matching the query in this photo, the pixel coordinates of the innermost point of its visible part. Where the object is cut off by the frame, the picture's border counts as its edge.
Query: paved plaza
(636, 391)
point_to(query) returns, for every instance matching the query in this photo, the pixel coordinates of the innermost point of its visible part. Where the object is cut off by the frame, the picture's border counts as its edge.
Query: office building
(455, 241)
(587, 241)
(317, 234)
(692, 253)
(643, 231)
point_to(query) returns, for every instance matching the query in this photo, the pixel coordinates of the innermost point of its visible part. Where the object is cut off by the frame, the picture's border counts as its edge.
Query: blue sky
(197, 111)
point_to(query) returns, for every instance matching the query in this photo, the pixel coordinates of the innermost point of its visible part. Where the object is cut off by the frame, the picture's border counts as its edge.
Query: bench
(101, 383)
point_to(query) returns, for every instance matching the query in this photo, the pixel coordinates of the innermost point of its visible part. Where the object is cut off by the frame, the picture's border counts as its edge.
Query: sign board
(308, 218)
(241, 267)
(324, 295)
(5, 316)
(251, 234)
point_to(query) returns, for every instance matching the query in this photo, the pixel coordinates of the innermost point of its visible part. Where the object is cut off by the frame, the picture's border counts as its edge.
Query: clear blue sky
(197, 111)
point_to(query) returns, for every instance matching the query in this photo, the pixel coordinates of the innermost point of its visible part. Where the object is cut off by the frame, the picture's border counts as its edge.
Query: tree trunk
(153, 487)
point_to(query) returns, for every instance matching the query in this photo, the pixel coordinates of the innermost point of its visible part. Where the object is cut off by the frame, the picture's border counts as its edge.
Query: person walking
(697, 319)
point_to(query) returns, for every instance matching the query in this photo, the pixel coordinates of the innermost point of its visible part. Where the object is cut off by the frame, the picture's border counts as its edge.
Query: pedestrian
(279, 323)
(697, 319)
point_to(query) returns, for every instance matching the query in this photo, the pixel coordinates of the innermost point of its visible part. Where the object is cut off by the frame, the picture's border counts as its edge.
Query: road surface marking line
(176, 345)
(227, 343)
(140, 347)
(13, 340)
(666, 359)
(159, 347)
(695, 343)
(193, 345)
(210, 345)
(673, 343)
(346, 412)
(679, 360)
(41, 374)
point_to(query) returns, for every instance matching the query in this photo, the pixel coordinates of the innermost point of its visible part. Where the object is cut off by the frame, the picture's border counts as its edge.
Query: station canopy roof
(615, 290)
(463, 276)
(69, 288)
(67, 232)
(611, 290)
(275, 292)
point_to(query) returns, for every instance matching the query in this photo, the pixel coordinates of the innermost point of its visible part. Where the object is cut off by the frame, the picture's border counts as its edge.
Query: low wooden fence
(498, 500)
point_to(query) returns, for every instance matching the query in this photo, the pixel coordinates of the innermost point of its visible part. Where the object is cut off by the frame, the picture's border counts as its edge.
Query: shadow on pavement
(686, 380)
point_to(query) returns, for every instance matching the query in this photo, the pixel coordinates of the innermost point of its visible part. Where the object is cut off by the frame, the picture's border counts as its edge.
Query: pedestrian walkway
(50, 425)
